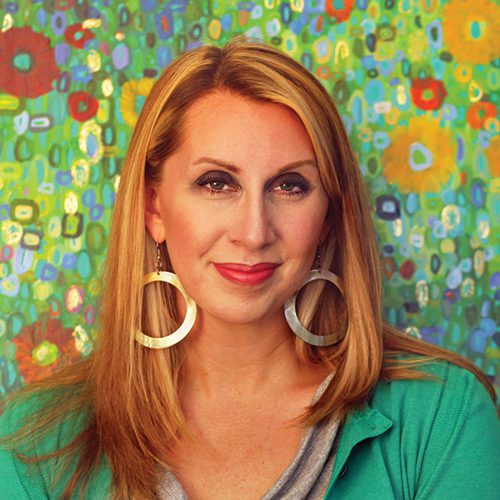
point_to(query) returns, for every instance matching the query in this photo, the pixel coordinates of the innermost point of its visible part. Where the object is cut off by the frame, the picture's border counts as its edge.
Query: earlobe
(152, 215)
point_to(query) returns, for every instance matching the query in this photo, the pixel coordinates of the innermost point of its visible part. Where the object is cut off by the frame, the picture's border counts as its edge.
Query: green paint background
(365, 53)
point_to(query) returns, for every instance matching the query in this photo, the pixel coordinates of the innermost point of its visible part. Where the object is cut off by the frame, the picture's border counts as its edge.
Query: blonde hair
(131, 393)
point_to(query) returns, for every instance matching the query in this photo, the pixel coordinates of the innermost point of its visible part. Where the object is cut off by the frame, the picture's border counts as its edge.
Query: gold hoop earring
(291, 311)
(187, 324)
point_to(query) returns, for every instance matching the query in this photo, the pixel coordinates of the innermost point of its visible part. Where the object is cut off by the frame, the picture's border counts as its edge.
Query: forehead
(223, 122)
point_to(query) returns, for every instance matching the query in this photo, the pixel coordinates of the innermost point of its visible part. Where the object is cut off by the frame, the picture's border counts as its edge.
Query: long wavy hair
(130, 394)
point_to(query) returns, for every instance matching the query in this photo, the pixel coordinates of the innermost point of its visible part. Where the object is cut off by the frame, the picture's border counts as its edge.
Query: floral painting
(417, 85)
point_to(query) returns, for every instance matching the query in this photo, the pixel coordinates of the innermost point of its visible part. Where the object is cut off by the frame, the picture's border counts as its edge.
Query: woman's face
(241, 207)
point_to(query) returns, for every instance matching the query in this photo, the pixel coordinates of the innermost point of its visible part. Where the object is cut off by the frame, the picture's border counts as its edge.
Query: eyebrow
(235, 169)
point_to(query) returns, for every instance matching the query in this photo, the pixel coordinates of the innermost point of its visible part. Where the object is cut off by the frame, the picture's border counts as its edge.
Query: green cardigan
(416, 439)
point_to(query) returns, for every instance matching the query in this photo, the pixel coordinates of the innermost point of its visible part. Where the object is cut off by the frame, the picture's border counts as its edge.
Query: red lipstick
(246, 275)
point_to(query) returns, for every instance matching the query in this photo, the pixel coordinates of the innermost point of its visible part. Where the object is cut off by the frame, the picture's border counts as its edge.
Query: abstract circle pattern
(417, 85)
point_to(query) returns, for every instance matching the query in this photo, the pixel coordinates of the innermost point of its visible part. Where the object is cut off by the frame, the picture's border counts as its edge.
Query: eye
(216, 185)
(290, 185)
(216, 182)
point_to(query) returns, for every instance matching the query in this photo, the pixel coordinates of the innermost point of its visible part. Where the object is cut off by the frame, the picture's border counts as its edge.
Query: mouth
(243, 274)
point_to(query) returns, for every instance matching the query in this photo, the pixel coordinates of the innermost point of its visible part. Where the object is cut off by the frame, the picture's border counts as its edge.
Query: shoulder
(419, 439)
(30, 410)
(39, 479)
(451, 403)
(18, 479)
(445, 384)
(445, 428)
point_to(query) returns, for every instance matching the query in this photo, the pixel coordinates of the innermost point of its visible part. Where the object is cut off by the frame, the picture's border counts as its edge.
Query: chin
(242, 316)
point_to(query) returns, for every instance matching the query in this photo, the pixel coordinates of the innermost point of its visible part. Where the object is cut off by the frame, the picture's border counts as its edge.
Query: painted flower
(421, 156)
(130, 101)
(27, 63)
(76, 35)
(470, 30)
(44, 346)
(427, 93)
(82, 105)
(479, 112)
(339, 11)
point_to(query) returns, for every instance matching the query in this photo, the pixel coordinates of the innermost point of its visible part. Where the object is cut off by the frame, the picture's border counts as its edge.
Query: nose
(252, 225)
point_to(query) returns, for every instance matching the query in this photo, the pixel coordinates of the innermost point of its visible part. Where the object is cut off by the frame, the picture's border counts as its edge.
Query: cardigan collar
(365, 423)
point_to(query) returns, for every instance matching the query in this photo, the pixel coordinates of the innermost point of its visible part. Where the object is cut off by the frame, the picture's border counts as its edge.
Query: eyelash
(205, 180)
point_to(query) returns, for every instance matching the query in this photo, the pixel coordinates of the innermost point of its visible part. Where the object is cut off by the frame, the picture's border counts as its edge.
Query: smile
(246, 275)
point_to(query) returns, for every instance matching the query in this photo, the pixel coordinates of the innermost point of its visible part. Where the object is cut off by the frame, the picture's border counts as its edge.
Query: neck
(242, 359)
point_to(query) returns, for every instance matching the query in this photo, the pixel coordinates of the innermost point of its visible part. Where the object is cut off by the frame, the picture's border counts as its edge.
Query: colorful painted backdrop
(417, 84)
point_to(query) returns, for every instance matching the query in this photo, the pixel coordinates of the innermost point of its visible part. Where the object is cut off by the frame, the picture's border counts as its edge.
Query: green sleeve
(41, 480)
(17, 480)
(463, 452)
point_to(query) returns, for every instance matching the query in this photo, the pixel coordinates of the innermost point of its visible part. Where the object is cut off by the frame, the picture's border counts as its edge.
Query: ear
(152, 215)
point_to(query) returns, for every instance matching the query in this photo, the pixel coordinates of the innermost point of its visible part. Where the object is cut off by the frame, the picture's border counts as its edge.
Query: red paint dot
(82, 106)
(407, 269)
(76, 35)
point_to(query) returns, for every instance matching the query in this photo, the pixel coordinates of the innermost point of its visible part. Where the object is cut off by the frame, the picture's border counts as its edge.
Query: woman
(240, 180)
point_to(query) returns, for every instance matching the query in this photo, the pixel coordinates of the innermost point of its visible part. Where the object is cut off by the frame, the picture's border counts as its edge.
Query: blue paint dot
(69, 261)
(88, 198)
(96, 212)
(495, 280)
(41, 17)
(163, 56)
(83, 264)
(454, 278)
(121, 56)
(227, 20)
(477, 341)
(381, 140)
(49, 272)
(374, 92)
(63, 178)
(147, 5)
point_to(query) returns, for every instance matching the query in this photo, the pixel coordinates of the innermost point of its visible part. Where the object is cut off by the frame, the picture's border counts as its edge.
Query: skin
(259, 198)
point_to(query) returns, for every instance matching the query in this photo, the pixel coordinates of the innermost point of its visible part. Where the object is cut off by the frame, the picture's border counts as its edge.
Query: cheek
(189, 234)
(305, 228)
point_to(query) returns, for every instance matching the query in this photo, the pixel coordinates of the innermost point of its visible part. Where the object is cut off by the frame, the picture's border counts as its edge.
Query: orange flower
(470, 30)
(479, 112)
(43, 347)
(339, 12)
(421, 156)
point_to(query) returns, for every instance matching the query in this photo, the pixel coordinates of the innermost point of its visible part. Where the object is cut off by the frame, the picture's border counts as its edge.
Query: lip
(244, 274)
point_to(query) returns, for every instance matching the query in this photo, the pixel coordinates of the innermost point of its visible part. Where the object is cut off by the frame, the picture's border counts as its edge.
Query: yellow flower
(470, 30)
(131, 90)
(421, 156)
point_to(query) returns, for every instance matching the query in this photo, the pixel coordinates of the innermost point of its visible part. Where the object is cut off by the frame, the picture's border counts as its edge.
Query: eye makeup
(215, 182)
(290, 183)
(286, 184)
